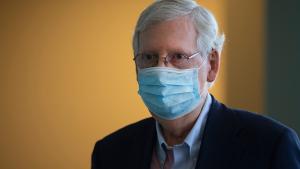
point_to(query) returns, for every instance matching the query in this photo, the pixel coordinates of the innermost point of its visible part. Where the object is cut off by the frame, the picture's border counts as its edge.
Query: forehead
(176, 34)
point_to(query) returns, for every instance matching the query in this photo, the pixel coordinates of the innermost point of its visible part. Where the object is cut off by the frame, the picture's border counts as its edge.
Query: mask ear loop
(204, 59)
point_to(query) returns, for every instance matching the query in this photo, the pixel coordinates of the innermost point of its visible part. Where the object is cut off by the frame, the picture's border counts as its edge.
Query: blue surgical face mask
(169, 93)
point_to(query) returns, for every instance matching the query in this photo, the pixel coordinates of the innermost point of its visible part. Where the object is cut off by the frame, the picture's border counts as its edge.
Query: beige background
(67, 75)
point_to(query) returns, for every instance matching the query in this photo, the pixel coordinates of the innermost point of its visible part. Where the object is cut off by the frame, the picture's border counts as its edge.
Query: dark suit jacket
(233, 139)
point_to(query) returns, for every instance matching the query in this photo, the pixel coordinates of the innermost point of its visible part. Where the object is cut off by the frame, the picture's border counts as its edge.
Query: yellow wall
(67, 78)
(246, 54)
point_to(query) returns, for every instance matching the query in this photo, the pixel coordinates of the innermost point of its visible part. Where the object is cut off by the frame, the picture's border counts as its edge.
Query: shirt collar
(193, 139)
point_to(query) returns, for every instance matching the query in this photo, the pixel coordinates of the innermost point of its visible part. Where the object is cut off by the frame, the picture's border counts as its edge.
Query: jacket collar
(220, 146)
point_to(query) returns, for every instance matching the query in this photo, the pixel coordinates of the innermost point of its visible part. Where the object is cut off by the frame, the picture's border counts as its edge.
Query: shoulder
(266, 137)
(252, 128)
(261, 130)
(262, 139)
(245, 121)
(259, 125)
(123, 144)
(255, 121)
(127, 133)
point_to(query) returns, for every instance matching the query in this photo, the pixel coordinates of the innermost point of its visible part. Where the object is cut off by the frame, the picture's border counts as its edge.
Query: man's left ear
(214, 64)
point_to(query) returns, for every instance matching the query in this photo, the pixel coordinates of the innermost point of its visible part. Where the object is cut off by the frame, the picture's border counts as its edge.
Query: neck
(175, 131)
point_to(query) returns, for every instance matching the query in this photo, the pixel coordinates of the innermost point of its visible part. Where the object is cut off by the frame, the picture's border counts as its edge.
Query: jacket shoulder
(267, 139)
(257, 129)
(251, 122)
(128, 132)
(258, 123)
(123, 144)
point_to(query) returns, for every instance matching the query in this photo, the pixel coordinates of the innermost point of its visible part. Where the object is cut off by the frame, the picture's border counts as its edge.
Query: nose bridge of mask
(162, 90)
(158, 76)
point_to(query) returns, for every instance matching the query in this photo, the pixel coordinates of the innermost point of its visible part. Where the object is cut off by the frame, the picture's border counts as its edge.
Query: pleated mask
(169, 93)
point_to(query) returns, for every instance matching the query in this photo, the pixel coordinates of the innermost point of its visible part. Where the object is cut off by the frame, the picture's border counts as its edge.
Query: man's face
(175, 36)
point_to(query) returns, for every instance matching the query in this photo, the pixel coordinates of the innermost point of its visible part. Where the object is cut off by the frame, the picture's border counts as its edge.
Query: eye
(179, 56)
(148, 57)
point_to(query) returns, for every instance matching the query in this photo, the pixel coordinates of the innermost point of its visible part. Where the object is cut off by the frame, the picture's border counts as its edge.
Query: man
(177, 51)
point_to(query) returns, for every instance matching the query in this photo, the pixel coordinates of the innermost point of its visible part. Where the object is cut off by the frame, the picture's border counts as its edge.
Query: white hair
(206, 26)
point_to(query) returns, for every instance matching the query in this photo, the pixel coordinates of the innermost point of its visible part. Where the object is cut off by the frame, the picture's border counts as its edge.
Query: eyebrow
(172, 51)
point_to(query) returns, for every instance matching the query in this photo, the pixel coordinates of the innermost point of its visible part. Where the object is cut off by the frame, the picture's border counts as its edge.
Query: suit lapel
(145, 145)
(220, 146)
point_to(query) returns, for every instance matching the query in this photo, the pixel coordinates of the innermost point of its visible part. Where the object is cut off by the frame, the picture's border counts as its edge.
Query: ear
(214, 63)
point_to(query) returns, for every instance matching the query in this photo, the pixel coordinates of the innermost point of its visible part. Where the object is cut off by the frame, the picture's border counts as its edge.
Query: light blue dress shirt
(186, 153)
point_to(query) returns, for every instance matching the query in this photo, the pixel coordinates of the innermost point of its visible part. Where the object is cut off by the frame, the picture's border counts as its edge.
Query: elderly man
(177, 51)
